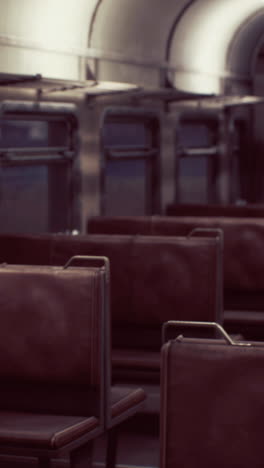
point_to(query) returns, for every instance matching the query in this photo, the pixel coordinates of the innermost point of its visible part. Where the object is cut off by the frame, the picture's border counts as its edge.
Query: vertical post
(111, 447)
(223, 178)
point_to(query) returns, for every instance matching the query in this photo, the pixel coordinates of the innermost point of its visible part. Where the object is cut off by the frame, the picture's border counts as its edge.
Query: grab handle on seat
(210, 325)
(90, 259)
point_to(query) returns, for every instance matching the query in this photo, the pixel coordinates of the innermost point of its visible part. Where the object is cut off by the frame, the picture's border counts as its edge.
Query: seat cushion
(42, 430)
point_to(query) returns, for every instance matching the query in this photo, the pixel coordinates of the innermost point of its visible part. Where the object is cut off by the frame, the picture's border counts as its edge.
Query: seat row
(65, 330)
(243, 259)
(251, 210)
(153, 279)
(55, 367)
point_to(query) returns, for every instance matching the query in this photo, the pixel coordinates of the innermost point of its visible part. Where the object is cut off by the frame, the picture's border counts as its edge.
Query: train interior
(132, 130)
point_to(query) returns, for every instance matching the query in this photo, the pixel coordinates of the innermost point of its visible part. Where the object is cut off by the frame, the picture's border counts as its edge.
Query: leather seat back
(51, 339)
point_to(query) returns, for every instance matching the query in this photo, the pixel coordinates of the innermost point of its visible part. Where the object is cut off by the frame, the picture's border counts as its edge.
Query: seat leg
(44, 462)
(111, 447)
(82, 457)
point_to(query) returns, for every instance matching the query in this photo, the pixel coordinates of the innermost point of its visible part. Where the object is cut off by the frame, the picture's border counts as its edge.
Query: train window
(193, 177)
(197, 149)
(130, 162)
(198, 134)
(33, 133)
(127, 133)
(37, 160)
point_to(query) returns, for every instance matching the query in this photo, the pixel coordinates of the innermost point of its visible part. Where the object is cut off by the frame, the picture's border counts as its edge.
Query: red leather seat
(51, 361)
(243, 265)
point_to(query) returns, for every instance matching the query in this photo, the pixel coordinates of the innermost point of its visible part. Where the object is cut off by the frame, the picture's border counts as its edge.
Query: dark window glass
(197, 134)
(33, 134)
(193, 179)
(34, 199)
(130, 178)
(126, 134)
(125, 188)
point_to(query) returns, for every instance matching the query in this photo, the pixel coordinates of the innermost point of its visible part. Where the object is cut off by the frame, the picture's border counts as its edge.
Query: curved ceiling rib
(214, 46)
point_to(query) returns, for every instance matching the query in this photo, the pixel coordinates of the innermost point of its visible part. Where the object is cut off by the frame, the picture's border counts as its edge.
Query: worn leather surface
(132, 359)
(42, 430)
(26, 249)
(174, 278)
(234, 211)
(117, 249)
(51, 355)
(136, 365)
(243, 246)
(243, 240)
(50, 339)
(125, 399)
(120, 225)
(212, 406)
(153, 279)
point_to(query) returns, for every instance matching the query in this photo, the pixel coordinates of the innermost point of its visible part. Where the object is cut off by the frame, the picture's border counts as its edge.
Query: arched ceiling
(215, 43)
(207, 43)
(34, 34)
(138, 29)
(200, 46)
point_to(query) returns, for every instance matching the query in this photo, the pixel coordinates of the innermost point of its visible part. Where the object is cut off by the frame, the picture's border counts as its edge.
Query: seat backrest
(234, 211)
(139, 225)
(243, 249)
(211, 404)
(153, 279)
(51, 336)
(243, 264)
(26, 249)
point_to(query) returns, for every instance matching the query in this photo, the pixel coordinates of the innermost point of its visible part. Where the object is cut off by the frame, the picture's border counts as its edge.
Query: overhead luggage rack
(46, 86)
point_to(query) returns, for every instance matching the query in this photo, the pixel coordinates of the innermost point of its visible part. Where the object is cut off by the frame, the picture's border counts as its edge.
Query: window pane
(193, 175)
(125, 188)
(126, 134)
(34, 199)
(197, 135)
(24, 199)
(33, 134)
